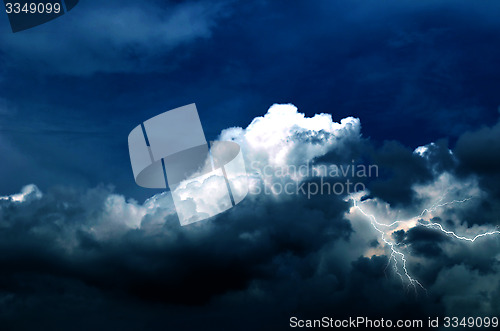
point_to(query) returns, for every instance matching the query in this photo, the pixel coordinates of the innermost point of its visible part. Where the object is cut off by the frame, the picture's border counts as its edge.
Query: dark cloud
(52, 237)
(400, 169)
(478, 150)
(272, 257)
(424, 241)
(80, 258)
(273, 264)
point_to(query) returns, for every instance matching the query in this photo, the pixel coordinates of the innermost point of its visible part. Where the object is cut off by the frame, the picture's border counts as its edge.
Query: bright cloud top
(284, 136)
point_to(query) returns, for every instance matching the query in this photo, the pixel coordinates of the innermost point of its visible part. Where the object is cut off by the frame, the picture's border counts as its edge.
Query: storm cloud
(273, 255)
(407, 86)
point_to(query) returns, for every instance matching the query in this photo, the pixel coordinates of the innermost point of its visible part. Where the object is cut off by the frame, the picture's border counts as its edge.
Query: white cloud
(277, 144)
(447, 187)
(281, 137)
(285, 136)
(28, 193)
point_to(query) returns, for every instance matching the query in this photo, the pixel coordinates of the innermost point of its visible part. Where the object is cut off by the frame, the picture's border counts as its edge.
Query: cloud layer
(65, 251)
(118, 37)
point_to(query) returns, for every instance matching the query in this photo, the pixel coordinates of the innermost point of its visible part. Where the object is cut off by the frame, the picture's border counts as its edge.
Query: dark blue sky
(72, 89)
(77, 253)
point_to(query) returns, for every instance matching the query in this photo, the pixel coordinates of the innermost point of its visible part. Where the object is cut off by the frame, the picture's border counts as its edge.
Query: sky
(409, 86)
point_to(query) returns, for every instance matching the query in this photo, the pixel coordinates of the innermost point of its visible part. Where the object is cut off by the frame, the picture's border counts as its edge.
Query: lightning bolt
(397, 256)
(394, 252)
(453, 234)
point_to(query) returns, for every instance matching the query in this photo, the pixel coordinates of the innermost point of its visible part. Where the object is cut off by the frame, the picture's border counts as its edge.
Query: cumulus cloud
(278, 144)
(88, 226)
(280, 253)
(284, 136)
(271, 144)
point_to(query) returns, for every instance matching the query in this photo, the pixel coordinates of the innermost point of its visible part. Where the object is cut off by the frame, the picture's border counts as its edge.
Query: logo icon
(26, 14)
(170, 151)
